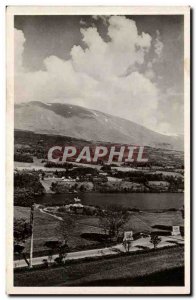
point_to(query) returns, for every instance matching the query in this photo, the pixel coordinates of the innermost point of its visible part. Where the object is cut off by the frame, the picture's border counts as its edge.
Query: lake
(142, 201)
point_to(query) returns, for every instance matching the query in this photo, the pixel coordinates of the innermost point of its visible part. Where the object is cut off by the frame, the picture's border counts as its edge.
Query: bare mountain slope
(82, 123)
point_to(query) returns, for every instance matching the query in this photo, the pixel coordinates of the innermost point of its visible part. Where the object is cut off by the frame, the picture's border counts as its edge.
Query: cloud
(104, 75)
(82, 22)
(158, 45)
(19, 41)
(171, 120)
(150, 74)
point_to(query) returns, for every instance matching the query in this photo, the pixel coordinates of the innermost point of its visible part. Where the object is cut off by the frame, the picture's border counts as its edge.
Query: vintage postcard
(98, 150)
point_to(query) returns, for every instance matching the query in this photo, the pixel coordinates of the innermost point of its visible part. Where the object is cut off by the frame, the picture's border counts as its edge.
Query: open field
(162, 266)
(45, 227)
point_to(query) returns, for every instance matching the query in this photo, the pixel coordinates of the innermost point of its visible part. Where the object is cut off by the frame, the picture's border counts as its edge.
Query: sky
(127, 66)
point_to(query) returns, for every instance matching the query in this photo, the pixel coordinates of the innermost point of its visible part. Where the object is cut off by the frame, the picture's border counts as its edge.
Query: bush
(62, 209)
(23, 157)
(45, 262)
(59, 260)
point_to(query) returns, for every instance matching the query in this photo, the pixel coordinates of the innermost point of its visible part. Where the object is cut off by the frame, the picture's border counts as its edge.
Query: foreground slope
(164, 266)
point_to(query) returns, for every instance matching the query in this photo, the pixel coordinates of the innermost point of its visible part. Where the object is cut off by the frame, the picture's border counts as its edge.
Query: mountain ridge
(88, 124)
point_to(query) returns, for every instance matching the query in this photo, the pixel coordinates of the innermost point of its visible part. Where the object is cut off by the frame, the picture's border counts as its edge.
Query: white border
(78, 10)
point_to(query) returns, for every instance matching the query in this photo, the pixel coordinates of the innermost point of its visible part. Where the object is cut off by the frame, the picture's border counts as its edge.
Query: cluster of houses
(78, 208)
(100, 178)
(111, 177)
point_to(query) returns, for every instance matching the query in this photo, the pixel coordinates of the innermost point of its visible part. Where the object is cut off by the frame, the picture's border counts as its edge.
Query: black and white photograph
(98, 116)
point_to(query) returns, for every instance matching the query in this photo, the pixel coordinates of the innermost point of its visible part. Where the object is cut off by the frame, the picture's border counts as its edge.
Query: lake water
(143, 201)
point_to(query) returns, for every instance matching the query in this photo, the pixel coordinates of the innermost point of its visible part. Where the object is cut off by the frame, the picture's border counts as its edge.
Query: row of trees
(50, 164)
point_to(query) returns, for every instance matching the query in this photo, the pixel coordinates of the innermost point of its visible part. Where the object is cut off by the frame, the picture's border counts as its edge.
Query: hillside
(90, 125)
(162, 267)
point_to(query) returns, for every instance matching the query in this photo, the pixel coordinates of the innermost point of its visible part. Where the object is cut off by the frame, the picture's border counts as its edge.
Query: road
(150, 269)
(136, 246)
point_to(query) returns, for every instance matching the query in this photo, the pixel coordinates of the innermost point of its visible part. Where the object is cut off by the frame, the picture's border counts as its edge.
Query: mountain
(87, 124)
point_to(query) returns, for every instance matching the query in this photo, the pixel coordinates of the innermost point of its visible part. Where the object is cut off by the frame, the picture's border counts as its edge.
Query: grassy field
(171, 277)
(45, 230)
(45, 227)
(160, 267)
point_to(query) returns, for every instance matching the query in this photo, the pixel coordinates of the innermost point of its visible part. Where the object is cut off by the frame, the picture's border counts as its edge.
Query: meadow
(45, 227)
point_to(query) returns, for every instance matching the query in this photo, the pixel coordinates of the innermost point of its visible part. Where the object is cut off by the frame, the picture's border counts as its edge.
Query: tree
(63, 250)
(112, 220)
(63, 229)
(54, 247)
(22, 231)
(26, 186)
(155, 240)
(106, 168)
(18, 249)
(23, 197)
